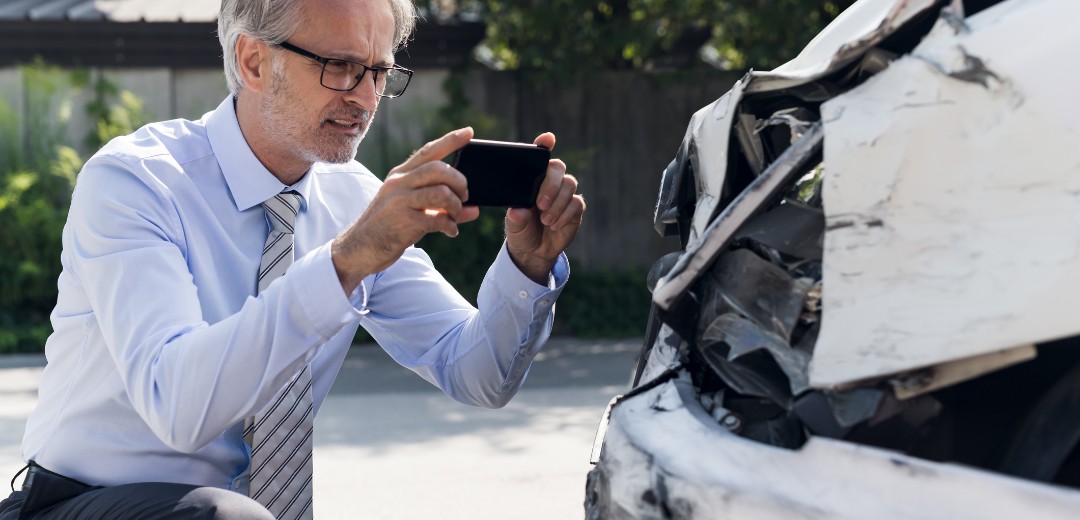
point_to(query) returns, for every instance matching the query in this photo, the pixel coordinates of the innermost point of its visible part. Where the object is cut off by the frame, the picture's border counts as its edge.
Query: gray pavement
(389, 445)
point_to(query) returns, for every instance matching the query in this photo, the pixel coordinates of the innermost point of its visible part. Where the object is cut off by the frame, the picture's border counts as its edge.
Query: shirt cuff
(317, 287)
(516, 287)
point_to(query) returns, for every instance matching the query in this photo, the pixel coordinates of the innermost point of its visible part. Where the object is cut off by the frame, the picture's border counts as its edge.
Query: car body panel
(712, 473)
(953, 198)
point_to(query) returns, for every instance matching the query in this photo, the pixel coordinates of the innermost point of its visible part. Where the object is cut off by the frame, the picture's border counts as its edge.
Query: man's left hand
(536, 236)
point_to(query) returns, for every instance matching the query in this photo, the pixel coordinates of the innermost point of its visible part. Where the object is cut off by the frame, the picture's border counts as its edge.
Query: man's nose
(364, 94)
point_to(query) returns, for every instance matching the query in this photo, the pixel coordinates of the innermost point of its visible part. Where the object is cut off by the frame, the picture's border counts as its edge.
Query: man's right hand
(421, 196)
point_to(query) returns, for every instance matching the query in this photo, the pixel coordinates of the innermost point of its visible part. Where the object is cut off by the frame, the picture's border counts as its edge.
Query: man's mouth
(344, 123)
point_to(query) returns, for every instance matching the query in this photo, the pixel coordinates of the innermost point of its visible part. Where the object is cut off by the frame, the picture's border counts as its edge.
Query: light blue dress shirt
(161, 347)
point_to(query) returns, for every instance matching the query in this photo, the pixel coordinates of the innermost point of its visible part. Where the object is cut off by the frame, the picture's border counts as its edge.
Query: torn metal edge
(721, 230)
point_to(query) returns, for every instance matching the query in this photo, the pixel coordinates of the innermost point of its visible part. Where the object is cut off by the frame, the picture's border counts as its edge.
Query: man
(182, 348)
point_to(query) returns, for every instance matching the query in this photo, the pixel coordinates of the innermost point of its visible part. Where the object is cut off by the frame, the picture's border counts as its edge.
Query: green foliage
(763, 34)
(10, 142)
(36, 178)
(32, 212)
(464, 259)
(37, 174)
(809, 186)
(458, 112)
(46, 110)
(119, 119)
(605, 303)
(565, 40)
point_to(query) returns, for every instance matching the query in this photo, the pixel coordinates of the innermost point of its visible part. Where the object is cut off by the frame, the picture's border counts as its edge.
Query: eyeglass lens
(345, 75)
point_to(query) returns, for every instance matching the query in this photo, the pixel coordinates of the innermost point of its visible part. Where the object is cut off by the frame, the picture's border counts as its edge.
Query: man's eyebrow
(346, 55)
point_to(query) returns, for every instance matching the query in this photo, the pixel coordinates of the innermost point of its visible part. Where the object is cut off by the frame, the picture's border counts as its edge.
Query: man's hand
(535, 237)
(421, 196)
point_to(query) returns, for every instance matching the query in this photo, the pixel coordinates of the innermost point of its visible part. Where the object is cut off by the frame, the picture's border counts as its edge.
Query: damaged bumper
(665, 456)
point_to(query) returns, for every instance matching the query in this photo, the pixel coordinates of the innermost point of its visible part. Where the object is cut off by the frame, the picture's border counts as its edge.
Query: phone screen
(502, 174)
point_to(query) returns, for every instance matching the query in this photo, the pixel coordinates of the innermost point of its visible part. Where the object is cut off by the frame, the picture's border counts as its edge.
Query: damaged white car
(877, 310)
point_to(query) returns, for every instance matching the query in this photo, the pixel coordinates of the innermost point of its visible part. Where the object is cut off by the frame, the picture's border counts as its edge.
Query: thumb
(517, 220)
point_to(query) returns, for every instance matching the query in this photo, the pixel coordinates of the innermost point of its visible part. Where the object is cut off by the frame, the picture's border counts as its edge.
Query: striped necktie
(280, 436)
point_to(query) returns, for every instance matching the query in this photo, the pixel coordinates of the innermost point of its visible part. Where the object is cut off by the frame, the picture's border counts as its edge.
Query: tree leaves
(563, 41)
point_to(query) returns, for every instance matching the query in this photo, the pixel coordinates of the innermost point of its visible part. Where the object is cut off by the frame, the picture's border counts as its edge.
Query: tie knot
(281, 209)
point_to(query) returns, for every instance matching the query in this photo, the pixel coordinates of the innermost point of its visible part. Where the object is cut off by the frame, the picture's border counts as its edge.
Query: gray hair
(273, 21)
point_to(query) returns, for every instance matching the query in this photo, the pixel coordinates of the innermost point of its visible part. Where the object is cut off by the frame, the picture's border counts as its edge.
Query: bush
(601, 303)
(32, 213)
(37, 174)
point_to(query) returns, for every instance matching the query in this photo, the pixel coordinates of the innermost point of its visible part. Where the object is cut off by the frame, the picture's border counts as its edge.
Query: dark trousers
(49, 496)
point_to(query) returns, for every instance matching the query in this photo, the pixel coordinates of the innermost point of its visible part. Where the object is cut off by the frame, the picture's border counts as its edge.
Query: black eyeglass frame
(359, 77)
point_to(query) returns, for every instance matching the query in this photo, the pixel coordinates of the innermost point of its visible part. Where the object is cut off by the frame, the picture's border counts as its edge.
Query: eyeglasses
(345, 75)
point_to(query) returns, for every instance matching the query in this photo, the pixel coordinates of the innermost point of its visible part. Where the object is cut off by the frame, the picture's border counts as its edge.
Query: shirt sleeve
(476, 355)
(188, 379)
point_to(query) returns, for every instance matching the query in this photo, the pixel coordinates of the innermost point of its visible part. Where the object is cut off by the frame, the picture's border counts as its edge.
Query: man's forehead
(357, 30)
(337, 10)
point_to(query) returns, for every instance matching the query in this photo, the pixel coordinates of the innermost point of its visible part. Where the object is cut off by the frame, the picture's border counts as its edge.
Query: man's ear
(254, 59)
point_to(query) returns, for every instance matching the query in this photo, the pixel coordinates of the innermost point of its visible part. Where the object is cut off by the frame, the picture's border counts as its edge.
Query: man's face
(305, 119)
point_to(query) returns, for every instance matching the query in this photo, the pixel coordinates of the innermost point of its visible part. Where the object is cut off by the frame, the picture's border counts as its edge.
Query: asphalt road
(390, 446)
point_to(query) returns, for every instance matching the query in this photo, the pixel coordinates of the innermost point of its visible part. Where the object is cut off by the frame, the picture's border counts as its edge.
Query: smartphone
(502, 174)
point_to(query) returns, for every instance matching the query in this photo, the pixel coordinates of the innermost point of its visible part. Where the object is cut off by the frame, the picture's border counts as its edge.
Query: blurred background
(617, 81)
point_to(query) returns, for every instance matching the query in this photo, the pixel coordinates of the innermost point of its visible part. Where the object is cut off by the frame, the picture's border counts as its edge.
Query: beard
(283, 116)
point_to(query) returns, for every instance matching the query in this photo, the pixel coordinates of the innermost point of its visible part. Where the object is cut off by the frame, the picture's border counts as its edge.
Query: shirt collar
(250, 183)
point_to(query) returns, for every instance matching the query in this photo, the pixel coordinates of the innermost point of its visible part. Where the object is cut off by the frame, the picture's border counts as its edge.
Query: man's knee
(208, 503)
(10, 506)
(160, 501)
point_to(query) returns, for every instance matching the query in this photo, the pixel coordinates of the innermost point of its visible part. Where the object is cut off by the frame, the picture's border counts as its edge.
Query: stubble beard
(318, 143)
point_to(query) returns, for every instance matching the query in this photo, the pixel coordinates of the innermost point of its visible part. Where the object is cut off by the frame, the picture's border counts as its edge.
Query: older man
(187, 364)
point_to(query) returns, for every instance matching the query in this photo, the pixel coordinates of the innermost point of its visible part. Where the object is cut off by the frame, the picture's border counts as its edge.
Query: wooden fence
(619, 131)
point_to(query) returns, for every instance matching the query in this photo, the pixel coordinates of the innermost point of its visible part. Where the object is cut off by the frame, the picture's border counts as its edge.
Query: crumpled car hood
(858, 28)
(953, 198)
(935, 249)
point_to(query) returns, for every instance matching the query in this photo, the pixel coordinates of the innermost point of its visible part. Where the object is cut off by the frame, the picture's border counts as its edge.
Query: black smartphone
(502, 174)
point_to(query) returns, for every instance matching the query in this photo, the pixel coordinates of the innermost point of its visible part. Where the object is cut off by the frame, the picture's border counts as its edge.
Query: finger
(561, 200)
(468, 214)
(546, 139)
(435, 173)
(438, 197)
(440, 221)
(551, 185)
(572, 214)
(436, 150)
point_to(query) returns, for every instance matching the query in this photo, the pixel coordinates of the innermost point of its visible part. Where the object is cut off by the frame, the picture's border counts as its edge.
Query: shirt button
(523, 294)
(543, 303)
